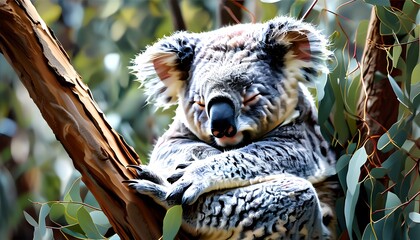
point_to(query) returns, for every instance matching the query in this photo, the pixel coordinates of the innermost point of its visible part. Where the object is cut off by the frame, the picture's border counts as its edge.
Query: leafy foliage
(75, 216)
(379, 173)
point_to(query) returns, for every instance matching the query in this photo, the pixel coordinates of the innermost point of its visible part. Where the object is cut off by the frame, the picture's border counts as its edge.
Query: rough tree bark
(98, 152)
(374, 108)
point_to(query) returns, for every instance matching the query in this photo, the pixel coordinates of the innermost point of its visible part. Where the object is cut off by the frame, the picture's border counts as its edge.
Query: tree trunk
(98, 152)
(377, 107)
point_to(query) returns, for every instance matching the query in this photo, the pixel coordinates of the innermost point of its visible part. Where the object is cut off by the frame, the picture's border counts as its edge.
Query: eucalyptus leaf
(76, 234)
(350, 207)
(396, 55)
(87, 224)
(296, 8)
(101, 221)
(73, 193)
(71, 210)
(392, 201)
(115, 237)
(378, 172)
(389, 22)
(414, 217)
(395, 136)
(399, 93)
(341, 168)
(356, 162)
(415, 75)
(172, 222)
(394, 165)
(374, 230)
(30, 219)
(378, 2)
(43, 212)
(57, 213)
(90, 200)
(393, 227)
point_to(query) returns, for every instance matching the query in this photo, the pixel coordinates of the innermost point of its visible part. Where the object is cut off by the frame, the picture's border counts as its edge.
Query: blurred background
(101, 37)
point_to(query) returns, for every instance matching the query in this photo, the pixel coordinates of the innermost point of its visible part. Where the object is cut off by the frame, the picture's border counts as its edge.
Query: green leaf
(378, 172)
(57, 213)
(101, 221)
(341, 168)
(75, 233)
(87, 224)
(357, 160)
(394, 164)
(378, 2)
(71, 210)
(374, 231)
(394, 136)
(361, 33)
(392, 201)
(349, 208)
(414, 217)
(73, 194)
(296, 8)
(399, 93)
(396, 54)
(90, 200)
(172, 222)
(45, 210)
(415, 75)
(376, 199)
(41, 231)
(30, 219)
(115, 237)
(326, 104)
(390, 23)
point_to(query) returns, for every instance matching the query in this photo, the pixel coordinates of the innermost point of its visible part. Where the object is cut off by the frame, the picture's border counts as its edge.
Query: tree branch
(176, 14)
(229, 12)
(98, 151)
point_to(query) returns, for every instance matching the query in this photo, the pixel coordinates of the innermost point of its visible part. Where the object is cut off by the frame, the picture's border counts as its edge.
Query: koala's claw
(177, 192)
(143, 172)
(176, 176)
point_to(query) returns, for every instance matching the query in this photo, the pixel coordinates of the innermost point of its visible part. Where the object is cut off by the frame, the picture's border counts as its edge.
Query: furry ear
(304, 50)
(164, 68)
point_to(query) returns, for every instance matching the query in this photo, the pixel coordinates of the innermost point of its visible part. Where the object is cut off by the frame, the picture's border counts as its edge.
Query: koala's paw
(150, 184)
(190, 185)
(148, 188)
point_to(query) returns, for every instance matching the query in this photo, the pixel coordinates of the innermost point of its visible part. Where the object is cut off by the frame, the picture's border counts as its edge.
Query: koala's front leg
(251, 164)
(174, 152)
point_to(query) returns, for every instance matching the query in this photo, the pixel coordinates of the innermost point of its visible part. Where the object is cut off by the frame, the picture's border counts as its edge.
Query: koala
(244, 149)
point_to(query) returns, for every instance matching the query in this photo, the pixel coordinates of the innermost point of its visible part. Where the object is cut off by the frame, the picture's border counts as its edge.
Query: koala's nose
(222, 119)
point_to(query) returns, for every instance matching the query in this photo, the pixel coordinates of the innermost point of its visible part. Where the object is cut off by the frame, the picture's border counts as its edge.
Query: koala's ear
(164, 67)
(305, 49)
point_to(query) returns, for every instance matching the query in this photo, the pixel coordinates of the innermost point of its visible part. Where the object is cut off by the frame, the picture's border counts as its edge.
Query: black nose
(222, 119)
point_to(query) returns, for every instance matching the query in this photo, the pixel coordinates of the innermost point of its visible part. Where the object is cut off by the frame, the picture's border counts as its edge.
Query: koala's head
(235, 84)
